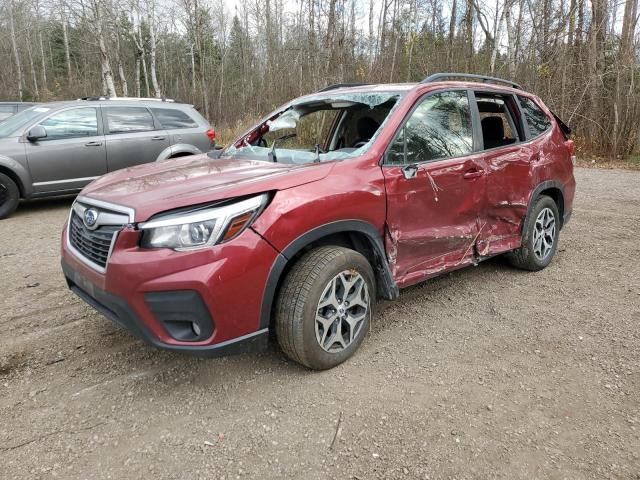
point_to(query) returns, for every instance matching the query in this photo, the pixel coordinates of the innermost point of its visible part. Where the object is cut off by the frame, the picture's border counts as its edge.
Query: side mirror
(410, 171)
(36, 133)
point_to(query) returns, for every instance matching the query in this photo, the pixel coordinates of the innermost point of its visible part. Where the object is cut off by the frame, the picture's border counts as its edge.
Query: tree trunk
(193, 69)
(628, 29)
(121, 75)
(152, 53)
(107, 75)
(43, 63)
(16, 56)
(452, 34)
(34, 77)
(137, 75)
(67, 54)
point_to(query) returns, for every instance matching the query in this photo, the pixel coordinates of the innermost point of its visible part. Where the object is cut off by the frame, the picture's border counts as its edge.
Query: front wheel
(9, 196)
(540, 238)
(324, 307)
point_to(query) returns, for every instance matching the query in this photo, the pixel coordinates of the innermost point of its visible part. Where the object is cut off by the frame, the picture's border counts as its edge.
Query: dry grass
(632, 162)
(227, 133)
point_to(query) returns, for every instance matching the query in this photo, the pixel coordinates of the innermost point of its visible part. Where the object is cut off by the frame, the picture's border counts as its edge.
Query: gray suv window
(170, 118)
(128, 119)
(78, 122)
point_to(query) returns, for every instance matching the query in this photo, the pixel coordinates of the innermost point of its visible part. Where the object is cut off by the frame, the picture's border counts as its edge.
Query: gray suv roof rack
(341, 85)
(129, 99)
(436, 77)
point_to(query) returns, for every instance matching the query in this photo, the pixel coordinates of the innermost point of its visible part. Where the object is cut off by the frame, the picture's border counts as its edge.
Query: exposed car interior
(331, 128)
(497, 120)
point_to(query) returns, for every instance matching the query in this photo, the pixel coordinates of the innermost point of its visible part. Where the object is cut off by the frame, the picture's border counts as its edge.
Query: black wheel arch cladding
(363, 235)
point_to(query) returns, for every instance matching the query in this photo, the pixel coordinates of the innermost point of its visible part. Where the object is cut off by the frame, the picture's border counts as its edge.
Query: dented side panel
(509, 184)
(433, 219)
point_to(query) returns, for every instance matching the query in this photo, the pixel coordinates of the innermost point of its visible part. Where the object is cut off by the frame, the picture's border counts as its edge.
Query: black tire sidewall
(317, 357)
(13, 196)
(541, 203)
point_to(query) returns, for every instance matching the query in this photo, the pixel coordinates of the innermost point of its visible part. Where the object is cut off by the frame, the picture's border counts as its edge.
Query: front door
(435, 189)
(132, 136)
(71, 155)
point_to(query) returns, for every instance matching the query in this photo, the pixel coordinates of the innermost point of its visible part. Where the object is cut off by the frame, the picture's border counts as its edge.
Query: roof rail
(129, 99)
(436, 77)
(341, 85)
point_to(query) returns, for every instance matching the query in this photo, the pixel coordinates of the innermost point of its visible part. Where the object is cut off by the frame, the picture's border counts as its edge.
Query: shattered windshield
(317, 128)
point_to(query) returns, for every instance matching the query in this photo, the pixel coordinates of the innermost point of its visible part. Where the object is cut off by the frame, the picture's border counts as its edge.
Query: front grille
(94, 245)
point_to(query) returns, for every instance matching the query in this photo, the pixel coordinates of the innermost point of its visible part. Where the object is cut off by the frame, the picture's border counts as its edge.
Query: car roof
(405, 87)
(117, 102)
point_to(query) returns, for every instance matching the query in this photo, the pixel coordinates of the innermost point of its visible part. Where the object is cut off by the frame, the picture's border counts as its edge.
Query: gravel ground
(487, 372)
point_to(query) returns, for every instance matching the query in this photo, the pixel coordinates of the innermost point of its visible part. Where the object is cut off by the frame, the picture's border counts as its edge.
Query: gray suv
(58, 148)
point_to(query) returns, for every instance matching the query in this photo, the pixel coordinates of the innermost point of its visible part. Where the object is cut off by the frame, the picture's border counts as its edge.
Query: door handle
(473, 173)
(93, 144)
(159, 137)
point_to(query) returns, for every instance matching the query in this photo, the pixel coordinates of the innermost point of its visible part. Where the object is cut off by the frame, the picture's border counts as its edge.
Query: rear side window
(170, 118)
(537, 121)
(129, 119)
(439, 127)
(78, 122)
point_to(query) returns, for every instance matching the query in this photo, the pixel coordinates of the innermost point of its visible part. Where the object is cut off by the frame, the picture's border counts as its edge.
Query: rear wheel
(9, 196)
(540, 238)
(324, 307)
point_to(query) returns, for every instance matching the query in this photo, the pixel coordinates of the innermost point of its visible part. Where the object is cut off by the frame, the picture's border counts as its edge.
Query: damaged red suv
(332, 201)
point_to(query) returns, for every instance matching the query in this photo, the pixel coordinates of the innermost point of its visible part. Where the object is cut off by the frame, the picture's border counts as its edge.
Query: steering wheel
(359, 144)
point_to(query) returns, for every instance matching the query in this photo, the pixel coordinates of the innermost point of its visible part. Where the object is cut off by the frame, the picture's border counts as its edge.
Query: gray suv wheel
(9, 196)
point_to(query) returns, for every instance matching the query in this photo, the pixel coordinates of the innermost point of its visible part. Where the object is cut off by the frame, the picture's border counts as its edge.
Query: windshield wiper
(272, 152)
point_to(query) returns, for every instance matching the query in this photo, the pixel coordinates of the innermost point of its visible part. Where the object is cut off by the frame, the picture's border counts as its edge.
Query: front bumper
(220, 289)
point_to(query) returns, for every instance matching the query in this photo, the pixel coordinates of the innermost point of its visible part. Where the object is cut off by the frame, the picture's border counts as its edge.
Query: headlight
(201, 228)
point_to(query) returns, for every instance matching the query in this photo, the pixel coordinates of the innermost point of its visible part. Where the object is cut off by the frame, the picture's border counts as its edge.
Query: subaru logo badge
(90, 217)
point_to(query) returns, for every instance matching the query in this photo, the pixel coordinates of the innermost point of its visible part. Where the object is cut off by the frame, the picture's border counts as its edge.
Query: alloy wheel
(544, 233)
(342, 311)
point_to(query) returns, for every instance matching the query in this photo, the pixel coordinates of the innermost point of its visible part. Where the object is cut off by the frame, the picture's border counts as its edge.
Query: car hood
(158, 187)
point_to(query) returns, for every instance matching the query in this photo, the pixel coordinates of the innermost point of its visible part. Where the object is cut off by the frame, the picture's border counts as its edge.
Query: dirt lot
(488, 372)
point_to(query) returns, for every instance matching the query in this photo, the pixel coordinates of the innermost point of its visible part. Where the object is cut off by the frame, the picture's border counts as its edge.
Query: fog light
(196, 328)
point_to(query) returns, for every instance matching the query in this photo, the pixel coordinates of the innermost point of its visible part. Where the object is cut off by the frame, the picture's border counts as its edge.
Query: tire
(535, 252)
(9, 196)
(314, 277)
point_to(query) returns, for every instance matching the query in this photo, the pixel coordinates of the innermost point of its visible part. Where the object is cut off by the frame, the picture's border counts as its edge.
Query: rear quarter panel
(555, 163)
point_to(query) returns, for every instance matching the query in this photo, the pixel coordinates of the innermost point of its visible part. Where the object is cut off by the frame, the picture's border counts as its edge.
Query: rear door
(72, 154)
(510, 159)
(132, 136)
(185, 128)
(435, 185)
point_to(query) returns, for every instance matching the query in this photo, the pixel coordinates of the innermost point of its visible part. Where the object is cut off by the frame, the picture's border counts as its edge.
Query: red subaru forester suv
(332, 201)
